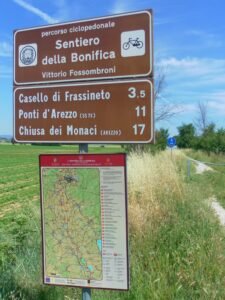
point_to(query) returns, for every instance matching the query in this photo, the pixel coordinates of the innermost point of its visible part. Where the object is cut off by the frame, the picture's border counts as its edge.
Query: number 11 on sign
(141, 111)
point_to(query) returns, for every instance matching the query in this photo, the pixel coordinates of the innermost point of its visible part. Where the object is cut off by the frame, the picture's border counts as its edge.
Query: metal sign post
(116, 111)
(189, 168)
(86, 292)
(83, 148)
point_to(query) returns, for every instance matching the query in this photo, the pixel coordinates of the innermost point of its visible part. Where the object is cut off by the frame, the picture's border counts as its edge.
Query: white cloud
(6, 49)
(179, 63)
(195, 70)
(64, 10)
(36, 11)
(218, 107)
(216, 102)
(190, 80)
(206, 38)
(188, 108)
(120, 6)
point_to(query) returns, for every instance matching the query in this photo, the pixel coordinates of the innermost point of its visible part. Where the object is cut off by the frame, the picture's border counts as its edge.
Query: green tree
(221, 140)
(212, 140)
(187, 136)
(161, 136)
(207, 139)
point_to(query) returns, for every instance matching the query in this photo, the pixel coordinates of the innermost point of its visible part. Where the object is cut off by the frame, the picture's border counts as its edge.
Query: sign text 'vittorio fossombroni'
(108, 112)
(118, 46)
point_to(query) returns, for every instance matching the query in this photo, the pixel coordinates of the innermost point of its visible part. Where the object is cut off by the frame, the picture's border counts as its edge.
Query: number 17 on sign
(139, 129)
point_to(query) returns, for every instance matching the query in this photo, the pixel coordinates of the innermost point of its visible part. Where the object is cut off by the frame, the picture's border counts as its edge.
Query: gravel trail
(218, 209)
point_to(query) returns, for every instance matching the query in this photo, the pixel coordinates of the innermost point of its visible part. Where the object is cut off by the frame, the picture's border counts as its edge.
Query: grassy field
(177, 247)
(20, 256)
(211, 183)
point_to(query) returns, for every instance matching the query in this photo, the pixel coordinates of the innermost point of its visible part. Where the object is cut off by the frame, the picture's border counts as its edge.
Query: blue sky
(189, 46)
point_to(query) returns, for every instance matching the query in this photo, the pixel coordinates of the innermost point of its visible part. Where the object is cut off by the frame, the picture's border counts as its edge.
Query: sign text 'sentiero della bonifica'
(118, 46)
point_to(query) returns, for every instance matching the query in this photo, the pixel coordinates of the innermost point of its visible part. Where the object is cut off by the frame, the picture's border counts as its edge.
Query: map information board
(84, 220)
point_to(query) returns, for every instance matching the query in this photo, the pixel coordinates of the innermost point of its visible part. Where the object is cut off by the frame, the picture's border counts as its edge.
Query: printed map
(72, 223)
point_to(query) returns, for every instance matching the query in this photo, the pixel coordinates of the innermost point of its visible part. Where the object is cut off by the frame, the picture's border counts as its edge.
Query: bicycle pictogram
(133, 43)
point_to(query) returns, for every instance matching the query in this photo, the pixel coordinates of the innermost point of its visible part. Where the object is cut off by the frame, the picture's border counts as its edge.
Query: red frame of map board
(63, 262)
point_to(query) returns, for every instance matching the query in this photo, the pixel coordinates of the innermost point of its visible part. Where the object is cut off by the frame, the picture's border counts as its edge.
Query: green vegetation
(186, 136)
(160, 144)
(177, 246)
(20, 234)
(210, 183)
(210, 140)
(213, 158)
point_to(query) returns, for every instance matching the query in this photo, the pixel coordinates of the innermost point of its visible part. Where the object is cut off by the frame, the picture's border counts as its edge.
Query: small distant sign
(171, 142)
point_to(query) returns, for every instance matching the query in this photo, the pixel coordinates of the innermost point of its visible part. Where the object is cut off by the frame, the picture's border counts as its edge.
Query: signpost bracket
(86, 292)
(83, 148)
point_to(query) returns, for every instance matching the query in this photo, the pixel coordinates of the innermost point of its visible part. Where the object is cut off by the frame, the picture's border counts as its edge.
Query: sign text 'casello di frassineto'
(97, 112)
(118, 46)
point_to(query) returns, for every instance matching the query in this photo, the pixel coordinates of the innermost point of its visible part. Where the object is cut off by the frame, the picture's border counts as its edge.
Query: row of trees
(210, 140)
(199, 135)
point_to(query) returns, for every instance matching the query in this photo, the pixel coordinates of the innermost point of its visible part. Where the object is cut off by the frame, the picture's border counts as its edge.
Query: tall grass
(218, 159)
(153, 183)
(176, 245)
(211, 183)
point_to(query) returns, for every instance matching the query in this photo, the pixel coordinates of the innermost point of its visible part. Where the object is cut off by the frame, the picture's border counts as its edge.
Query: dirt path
(201, 167)
(218, 209)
